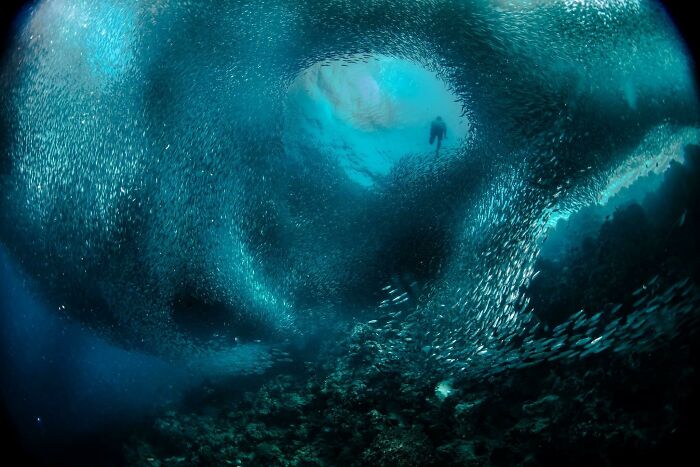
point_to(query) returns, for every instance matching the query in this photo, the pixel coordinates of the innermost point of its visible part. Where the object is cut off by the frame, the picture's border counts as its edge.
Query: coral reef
(609, 411)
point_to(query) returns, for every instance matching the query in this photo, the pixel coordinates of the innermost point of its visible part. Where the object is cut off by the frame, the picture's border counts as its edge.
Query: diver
(438, 130)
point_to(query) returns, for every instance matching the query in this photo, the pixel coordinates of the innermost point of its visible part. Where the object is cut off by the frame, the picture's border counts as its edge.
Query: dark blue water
(61, 383)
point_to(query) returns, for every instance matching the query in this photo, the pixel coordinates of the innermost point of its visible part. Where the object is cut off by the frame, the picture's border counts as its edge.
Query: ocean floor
(359, 408)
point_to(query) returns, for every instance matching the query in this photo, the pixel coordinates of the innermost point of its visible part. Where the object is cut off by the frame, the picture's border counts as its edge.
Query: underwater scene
(349, 233)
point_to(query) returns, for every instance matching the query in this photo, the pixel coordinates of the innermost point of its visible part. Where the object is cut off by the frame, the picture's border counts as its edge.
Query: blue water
(61, 382)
